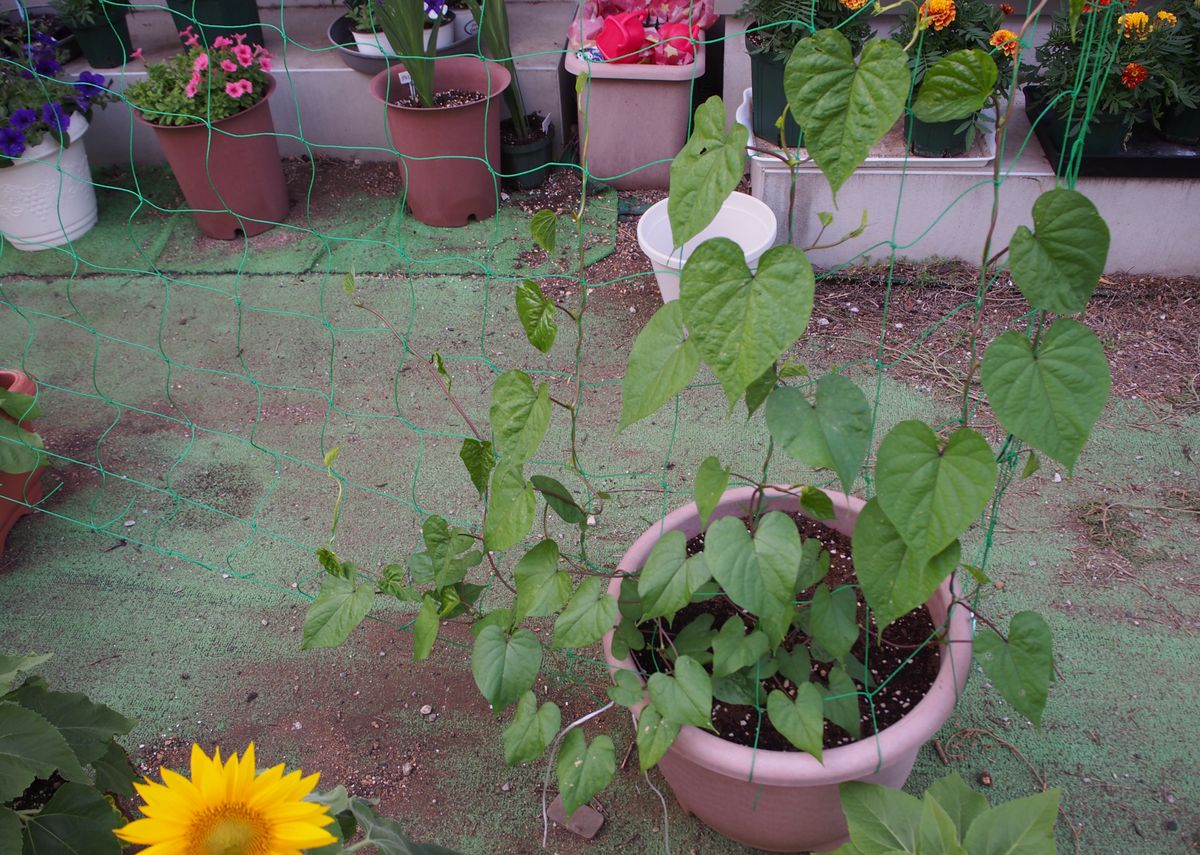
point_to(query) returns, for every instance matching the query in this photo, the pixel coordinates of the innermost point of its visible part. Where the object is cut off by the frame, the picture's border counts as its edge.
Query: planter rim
(271, 85)
(498, 79)
(48, 146)
(844, 763)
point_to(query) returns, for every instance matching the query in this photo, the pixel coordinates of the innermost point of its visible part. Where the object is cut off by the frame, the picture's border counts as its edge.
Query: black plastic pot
(212, 18)
(766, 81)
(526, 165)
(937, 139)
(106, 43)
(1105, 133)
(1182, 125)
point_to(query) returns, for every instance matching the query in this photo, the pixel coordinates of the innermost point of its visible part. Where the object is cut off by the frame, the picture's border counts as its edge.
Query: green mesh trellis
(191, 389)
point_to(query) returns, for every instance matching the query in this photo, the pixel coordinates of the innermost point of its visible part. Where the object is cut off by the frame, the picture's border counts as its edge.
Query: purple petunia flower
(23, 118)
(54, 116)
(12, 142)
(91, 79)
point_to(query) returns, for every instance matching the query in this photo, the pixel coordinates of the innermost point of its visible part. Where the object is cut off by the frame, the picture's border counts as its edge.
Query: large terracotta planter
(18, 490)
(47, 197)
(786, 801)
(230, 174)
(449, 156)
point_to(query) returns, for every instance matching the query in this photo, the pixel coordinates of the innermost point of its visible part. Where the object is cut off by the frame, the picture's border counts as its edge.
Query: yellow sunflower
(229, 809)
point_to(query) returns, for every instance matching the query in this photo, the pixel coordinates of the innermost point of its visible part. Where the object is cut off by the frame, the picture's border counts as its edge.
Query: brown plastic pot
(18, 490)
(231, 174)
(785, 801)
(449, 156)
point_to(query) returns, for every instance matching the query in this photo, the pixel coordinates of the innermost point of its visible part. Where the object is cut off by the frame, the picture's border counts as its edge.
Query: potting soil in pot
(907, 637)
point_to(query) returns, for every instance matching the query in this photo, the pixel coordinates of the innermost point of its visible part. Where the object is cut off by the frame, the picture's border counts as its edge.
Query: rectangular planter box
(634, 115)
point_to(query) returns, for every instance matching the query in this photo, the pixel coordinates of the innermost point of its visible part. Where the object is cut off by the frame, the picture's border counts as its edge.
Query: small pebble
(822, 322)
(505, 787)
(406, 769)
(128, 523)
(185, 676)
(427, 709)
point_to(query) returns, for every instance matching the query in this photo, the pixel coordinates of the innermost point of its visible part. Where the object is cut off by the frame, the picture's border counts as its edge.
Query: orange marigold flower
(1006, 9)
(1006, 40)
(939, 13)
(1134, 75)
(1135, 24)
(1167, 18)
(853, 5)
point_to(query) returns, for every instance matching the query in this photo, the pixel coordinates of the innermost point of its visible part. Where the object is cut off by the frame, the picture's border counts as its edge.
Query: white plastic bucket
(743, 219)
(46, 200)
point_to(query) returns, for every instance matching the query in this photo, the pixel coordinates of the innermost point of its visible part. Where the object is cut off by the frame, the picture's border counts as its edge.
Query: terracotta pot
(234, 186)
(449, 156)
(18, 490)
(785, 801)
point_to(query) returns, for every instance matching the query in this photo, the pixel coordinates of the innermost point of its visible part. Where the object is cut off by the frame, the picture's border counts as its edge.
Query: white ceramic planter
(46, 200)
(377, 44)
(743, 219)
(786, 801)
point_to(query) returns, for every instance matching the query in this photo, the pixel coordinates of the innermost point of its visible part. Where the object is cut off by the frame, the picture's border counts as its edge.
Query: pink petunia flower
(238, 88)
(264, 61)
(137, 54)
(193, 86)
(244, 55)
(200, 63)
(222, 42)
(229, 65)
(239, 37)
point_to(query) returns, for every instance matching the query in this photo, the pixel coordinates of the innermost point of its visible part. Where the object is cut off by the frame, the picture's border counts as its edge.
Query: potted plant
(208, 108)
(367, 27)
(46, 194)
(752, 618)
(201, 22)
(1122, 82)
(21, 457)
(526, 139)
(937, 29)
(442, 121)
(775, 27)
(1181, 73)
(64, 767)
(100, 29)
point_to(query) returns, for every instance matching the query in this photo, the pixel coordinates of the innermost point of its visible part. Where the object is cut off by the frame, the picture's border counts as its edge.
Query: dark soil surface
(908, 683)
(445, 98)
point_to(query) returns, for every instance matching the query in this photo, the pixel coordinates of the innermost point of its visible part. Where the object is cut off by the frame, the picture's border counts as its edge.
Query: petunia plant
(786, 640)
(36, 103)
(202, 85)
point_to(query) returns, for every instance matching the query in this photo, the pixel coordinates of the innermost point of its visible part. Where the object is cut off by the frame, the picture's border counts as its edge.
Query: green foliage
(537, 315)
(950, 818)
(583, 769)
(956, 87)
(663, 361)
(47, 735)
(1057, 265)
(782, 23)
(833, 432)
(20, 449)
(163, 99)
(705, 172)
(404, 25)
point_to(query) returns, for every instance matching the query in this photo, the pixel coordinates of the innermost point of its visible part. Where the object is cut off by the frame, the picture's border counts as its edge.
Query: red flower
(622, 36)
(1006, 9)
(1134, 75)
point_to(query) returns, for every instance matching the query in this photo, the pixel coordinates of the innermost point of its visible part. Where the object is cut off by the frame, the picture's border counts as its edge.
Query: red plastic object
(18, 491)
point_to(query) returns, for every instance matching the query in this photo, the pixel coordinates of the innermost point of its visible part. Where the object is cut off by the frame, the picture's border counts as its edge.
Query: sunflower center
(230, 830)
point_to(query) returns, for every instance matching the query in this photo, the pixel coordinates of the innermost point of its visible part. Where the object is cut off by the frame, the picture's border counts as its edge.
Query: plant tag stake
(546, 124)
(405, 77)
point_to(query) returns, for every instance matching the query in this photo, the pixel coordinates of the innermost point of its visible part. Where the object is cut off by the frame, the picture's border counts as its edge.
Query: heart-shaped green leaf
(629, 689)
(338, 609)
(816, 503)
(655, 735)
(1024, 826)
(956, 86)
(425, 628)
(505, 668)
(531, 730)
(543, 228)
(895, 579)
(1021, 670)
(932, 493)
(559, 498)
(711, 481)
(844, 108)
(590, 613)
(833, 620)
(962, 804)
(479, 459)
(1058, 264)
(669, 578)
(841, 701)
(759, 573)
(706, 170)
(511, 506)
(536, 313)
(542, 589)
(801, 722)
(661, 364)
(519, 415)
(1050, 399)
(584, 770)
(834, 432)
(743, 322)
(881, 819)
(684, 697)
(733, 649)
